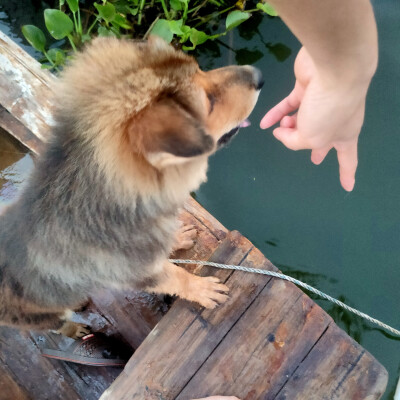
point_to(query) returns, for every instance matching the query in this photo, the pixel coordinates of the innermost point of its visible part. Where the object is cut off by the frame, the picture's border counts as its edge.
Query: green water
(347, 245)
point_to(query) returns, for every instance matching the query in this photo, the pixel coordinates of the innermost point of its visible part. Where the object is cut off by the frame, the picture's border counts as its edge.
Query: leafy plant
(183, 22)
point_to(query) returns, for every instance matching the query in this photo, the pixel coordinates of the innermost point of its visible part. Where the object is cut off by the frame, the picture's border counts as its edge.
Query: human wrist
(352, 71)
(355, 77)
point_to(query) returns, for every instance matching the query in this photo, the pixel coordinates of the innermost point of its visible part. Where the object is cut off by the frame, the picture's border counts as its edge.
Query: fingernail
(348, 184)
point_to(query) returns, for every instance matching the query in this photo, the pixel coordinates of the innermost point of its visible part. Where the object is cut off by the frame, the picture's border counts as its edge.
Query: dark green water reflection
(347, 245)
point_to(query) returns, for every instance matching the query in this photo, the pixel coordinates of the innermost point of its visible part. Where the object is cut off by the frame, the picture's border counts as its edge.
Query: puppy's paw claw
(185, 237)
(209, 292)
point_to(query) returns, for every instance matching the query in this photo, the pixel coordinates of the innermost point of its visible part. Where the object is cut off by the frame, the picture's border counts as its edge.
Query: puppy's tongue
(245, 123)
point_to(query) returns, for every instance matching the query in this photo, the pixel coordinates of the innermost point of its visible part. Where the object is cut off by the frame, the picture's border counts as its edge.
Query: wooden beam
(19, 131)
(25, 88)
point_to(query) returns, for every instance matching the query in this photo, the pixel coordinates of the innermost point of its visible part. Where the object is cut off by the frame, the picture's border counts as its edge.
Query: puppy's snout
(258, 78)
(253, 76)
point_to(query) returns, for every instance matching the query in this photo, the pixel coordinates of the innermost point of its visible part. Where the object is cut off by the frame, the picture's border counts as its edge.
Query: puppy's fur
(135, 124)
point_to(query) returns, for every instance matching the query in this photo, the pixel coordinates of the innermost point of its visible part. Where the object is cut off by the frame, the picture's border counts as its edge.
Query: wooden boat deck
(269, 341)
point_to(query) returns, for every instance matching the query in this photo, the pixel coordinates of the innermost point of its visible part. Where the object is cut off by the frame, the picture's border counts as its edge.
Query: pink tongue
(245, 123)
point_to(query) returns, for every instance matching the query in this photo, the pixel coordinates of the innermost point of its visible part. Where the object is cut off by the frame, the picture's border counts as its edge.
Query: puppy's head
(155, 100)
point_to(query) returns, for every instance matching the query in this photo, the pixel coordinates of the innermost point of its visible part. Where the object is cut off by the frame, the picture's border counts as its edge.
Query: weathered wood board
(15, 128)
(25, 88)
(269, 341)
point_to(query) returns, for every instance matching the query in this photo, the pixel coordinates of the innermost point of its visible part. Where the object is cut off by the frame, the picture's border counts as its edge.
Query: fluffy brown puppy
(135, 124)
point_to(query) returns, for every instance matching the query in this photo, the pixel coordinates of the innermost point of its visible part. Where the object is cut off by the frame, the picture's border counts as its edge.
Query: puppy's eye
(211, 99)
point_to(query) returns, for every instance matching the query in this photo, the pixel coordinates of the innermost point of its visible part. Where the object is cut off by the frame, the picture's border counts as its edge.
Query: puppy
(135, 123)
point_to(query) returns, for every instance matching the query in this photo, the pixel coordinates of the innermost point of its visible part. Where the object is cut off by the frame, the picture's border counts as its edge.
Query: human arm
(333, 72)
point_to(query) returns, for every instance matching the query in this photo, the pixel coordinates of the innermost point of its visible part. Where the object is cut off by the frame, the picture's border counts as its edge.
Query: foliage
(186, 23)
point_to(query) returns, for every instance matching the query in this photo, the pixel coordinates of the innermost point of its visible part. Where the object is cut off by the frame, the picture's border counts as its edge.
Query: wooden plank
(268, 346)
(19, 132)
(302, 356)
(25, 88)
(33, 373)
(162, 370)
(336, 368)
(88, 382)
(268, 338)
(9, 389)
(203, 216)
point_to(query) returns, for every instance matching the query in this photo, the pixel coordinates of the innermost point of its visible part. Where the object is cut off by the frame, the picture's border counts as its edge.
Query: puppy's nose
(258, 78)
(253, 76)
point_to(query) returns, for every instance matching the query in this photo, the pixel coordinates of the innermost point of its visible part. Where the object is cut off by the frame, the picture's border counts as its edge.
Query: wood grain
(25, 88)
(9, 388)
(269, 341)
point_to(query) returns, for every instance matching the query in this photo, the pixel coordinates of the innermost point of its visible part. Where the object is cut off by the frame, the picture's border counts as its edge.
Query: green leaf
(134, 11)
(57, 23)
(235, 18)
(267, 8)
(62, 2)
(35, 37)
(73, 5)
(106, 12)
(57, 56)
(198, 37)
(176, 5)
(46, 66)
(104, 32)
(121, 21)
(186, 33)
(162, 29)
(176, 27)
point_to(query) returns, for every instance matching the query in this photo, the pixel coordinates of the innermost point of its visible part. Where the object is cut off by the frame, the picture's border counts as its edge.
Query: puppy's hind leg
(207, 291)
(46, 321)
(74, 330)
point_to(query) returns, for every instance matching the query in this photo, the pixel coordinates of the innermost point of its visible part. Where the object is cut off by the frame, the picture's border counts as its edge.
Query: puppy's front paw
(185, 237)
(208, 291)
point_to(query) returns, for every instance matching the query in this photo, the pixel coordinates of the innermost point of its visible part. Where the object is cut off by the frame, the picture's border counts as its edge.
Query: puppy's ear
(168, 130)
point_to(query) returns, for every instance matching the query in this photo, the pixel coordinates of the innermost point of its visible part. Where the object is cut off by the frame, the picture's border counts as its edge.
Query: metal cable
(296, 282)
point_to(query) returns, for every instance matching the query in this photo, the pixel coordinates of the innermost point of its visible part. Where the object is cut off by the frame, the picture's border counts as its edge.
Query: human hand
(329, 113)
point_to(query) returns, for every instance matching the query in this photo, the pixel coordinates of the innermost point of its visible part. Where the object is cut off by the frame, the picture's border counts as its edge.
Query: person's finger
(318, 155)
(286, 106)
(348, 161)
(290, 138)
(289, 121)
